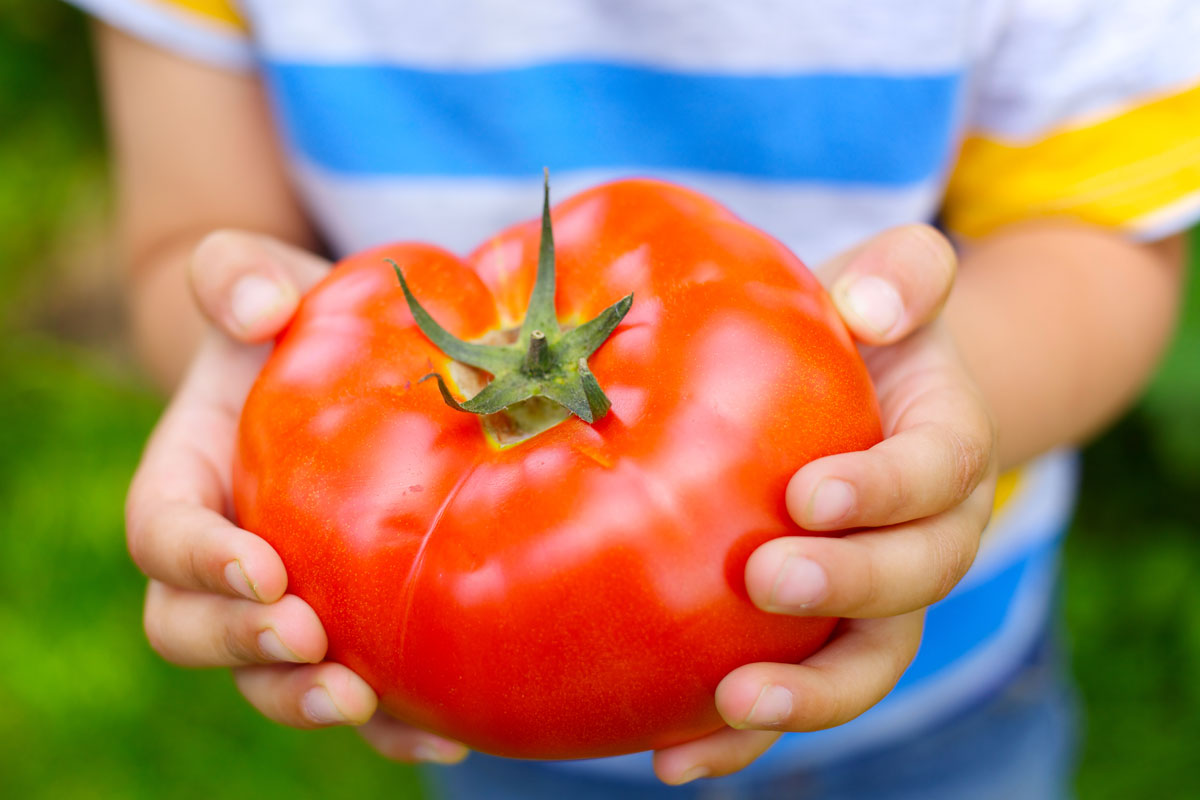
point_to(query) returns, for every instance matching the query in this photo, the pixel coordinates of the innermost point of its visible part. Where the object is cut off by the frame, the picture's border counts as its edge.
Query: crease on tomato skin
(413, 577)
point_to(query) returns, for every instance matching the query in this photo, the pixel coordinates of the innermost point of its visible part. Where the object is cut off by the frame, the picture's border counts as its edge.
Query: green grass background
(86, 710)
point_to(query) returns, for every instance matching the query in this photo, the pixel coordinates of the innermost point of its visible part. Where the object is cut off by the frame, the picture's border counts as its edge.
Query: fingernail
(273, 647)
(875, 302)
(800, 583)
(319, 707)
(695, 773)
(439, 752)
(831, 501)
(254, 298)
(237, 579)
(771, 709)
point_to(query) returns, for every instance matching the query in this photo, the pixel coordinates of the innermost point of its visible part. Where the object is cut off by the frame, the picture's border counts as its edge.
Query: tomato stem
(545, 361)
(537, 357)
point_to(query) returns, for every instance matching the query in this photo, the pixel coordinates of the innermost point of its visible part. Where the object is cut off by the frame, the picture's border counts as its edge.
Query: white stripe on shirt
(815, 222)
(761, 37)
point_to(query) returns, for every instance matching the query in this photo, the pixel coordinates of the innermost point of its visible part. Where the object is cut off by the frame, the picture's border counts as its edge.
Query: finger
(197, 629)
(248, 284)
(311, 696)
(842, 680)
(892, 284)
(192, 547)
(400, 742)
(720, 753)
(940, 445)
(875, 573)
(174, 524)
(852, 673)
(913, 474)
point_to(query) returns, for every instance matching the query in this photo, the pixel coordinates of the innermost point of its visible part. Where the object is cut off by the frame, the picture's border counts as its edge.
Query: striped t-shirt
(820, 122)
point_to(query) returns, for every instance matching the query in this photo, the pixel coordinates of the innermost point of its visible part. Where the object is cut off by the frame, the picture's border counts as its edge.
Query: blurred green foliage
(51, 152)
(89, 711)
(1133, 585)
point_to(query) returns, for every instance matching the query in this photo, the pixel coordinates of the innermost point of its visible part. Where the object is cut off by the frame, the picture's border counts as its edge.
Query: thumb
(892, 284)
(249, 285)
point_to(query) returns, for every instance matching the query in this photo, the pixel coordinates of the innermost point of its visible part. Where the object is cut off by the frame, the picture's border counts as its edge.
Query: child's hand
(216, 595)
(925, 494)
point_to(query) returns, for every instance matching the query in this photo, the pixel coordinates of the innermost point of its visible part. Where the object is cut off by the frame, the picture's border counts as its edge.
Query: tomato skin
(581, 593)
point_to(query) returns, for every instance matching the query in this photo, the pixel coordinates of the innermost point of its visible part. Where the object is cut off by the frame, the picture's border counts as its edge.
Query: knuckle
(970, 457)
(898, 494)
(827, 706)
(235, 644)
(195, 569)
(868, 594)
(949, 559)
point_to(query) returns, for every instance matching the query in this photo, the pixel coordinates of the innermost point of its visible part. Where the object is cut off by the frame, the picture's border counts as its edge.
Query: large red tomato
(580, 592)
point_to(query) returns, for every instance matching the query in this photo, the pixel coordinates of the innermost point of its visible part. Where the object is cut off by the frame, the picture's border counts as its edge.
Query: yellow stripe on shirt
(1111, 173)
(220, 11)
(1006, 487)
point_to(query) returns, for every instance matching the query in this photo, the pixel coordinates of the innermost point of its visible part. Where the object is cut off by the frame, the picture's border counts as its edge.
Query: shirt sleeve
(1085, 110)
(212, 31)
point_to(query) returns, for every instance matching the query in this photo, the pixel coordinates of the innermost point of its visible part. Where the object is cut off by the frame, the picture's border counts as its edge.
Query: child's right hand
(217, 592)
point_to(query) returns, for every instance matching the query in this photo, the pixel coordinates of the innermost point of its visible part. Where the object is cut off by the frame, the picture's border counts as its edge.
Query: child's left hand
(924, 494)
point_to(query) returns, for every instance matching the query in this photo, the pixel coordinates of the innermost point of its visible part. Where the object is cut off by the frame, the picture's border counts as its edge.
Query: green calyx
(545, 361)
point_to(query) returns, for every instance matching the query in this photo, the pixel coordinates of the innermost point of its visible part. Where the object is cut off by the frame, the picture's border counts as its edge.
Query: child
(1056, 141)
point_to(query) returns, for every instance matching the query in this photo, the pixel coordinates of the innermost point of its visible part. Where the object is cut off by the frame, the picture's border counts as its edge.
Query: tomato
(579, 592)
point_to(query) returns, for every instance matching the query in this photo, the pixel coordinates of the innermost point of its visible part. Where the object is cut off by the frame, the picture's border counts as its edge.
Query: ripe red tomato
(579, 593)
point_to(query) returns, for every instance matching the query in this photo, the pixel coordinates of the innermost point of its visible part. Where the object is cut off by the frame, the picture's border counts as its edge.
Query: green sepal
(551, 364)
(581, 342)
(567, 390)
(541, 315)
(450, 399)
(598, 401)
(493, 359)
(502, 392)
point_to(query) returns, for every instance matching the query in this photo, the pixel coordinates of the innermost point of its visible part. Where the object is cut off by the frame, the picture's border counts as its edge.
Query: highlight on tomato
(539, 551)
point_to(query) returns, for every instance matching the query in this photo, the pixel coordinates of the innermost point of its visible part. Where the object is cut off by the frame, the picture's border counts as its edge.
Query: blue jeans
(1017, 743)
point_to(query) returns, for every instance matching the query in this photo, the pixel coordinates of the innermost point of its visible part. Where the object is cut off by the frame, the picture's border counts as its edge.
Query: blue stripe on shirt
(389, 120)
